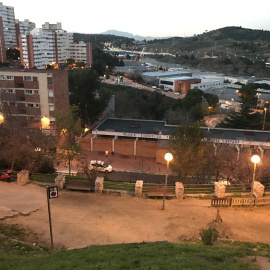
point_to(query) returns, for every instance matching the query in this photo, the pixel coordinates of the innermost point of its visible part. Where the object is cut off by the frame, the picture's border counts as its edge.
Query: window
(51, 108)
(35, 79)
(12, 104)
(27, 78)
(10, 78)
(37, 105)
(50, 94)
(36, 92)
(2, 77)
(30, 105)
(49, 80)
(10, 91)
(28, 92)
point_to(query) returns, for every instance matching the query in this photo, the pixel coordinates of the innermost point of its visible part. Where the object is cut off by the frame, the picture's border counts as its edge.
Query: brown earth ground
(80, 219)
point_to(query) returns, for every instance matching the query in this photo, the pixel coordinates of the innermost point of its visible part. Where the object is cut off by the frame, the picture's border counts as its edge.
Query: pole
(50, 220)
(264, 119)
(252, 184)
(165, 186)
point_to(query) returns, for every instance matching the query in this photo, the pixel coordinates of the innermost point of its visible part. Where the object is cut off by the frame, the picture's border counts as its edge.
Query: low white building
(208, 82)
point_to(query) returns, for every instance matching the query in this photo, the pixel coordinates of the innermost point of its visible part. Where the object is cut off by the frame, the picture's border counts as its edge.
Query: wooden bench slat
(74, 185)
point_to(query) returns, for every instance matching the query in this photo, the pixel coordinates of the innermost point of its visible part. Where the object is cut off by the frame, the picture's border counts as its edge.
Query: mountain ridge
(130, 35)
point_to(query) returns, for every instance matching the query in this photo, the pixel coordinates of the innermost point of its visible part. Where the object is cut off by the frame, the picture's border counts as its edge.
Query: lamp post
(258, 94)
(168, 157)
(265, 109)
(255, 159)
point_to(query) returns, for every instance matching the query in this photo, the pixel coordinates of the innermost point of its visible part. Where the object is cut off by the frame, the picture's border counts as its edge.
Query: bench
(159, 192)
(79, 185)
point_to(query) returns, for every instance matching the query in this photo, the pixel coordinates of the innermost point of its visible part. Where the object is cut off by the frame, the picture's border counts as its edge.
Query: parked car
(100, 166)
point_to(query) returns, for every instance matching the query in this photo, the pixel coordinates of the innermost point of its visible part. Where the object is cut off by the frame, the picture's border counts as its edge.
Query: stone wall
(23, 178)
(258, 189)
(60, 180)
(139, 188)
(219, 190)
(179, 190)
(99, 184)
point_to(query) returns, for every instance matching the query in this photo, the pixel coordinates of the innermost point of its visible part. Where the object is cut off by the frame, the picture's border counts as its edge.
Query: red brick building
(31, 95)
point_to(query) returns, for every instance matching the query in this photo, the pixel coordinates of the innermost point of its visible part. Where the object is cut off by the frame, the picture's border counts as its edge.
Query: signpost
(52, 192)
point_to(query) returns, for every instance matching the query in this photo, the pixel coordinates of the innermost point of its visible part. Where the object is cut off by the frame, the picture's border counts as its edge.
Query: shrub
(209, 236)
(46, 167)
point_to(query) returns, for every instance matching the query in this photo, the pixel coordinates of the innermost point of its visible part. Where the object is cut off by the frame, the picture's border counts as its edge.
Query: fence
(220, 202)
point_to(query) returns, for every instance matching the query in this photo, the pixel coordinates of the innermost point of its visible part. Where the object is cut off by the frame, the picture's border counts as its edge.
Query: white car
(100, 166)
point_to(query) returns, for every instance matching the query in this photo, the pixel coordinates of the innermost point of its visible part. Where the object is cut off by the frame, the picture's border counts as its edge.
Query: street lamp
(265, 109)
(255, 159)
(168, 157)
(258, 94)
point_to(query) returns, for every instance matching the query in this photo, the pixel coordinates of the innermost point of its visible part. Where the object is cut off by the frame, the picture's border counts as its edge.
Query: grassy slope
(134, 256)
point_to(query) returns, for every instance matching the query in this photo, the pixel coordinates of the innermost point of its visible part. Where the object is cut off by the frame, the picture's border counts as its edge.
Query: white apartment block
(25, 26)
(8, 20)
(78, 51)
(46, 46)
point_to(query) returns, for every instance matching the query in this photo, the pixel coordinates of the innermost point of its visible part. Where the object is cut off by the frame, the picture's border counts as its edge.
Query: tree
(245, 119)
(68, 125)
(86, 94)
(24, 149)
(190, 151)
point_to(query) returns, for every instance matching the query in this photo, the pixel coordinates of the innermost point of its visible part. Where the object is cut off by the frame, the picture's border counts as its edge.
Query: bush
(46, 167)
(209, 236)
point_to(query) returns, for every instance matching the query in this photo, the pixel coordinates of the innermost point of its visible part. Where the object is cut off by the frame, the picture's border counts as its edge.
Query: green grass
(159, 255)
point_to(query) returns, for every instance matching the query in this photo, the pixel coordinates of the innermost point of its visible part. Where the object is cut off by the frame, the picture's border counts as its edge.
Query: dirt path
(81, 219)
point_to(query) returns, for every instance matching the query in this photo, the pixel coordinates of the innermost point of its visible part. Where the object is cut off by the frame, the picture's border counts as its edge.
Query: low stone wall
(60, 180)
(139, 188)
(23, 178)
(258, 189)
(99, 184)
(179, 190)
(219, 190)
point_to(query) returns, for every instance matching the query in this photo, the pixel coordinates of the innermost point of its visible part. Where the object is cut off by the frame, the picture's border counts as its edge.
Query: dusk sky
(145, 17)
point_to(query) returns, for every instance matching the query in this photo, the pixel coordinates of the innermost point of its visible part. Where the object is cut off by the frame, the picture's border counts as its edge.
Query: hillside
(231, 50)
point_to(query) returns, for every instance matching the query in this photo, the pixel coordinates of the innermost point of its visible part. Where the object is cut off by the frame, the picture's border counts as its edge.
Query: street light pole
(168, 157)
(265, 109)
(255, 159)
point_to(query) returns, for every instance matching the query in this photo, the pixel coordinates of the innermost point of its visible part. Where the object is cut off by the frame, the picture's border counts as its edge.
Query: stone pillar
(219, 190)
(23, 178)
(179, 190)
(138, 188)
(60, 180)
(99, 184)
(258, 189)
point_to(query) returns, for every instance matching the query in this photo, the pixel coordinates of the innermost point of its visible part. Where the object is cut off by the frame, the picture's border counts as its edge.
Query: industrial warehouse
(148, 138)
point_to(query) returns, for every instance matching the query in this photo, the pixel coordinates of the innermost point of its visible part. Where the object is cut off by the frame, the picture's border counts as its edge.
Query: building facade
(44, 47)
(8, 26)
(28, 96)
(147, 138)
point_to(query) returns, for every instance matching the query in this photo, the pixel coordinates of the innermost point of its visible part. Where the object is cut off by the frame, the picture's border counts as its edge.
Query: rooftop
(131, 127)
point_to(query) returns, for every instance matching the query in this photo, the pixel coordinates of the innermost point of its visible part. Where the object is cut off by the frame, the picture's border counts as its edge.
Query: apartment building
(29, 96)
(44, 47)
(7, 29)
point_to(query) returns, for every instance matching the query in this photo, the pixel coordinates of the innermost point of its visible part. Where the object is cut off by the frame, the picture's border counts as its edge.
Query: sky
(144, 17)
